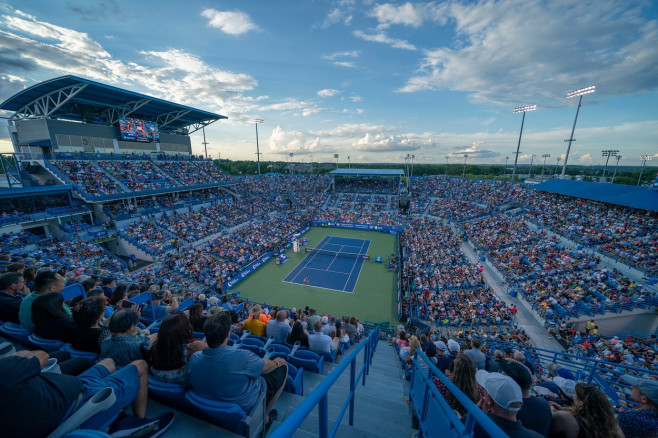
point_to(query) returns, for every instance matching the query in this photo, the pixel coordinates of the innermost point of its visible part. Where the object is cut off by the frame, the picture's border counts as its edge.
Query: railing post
(365, 363)
(352, 389)
(323, 414)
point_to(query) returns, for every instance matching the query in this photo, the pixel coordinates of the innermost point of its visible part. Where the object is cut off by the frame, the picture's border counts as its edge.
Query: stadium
(106, 211)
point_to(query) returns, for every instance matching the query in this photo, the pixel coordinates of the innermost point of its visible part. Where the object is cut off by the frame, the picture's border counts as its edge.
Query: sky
(369, 80)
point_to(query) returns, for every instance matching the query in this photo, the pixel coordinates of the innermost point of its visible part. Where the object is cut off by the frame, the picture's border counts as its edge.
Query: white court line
(305, 263)
(362, 262)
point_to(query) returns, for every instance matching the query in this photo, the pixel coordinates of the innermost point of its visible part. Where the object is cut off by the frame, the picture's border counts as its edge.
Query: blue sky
(366, 79)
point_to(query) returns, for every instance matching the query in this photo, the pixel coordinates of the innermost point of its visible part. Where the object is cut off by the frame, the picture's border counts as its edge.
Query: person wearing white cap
(642, 421)
(502, 401)
(453, 348)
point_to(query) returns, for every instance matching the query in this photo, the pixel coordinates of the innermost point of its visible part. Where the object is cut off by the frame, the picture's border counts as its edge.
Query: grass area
(375, 295)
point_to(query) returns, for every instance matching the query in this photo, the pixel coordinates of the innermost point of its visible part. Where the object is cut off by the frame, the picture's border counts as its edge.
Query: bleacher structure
(125, 203)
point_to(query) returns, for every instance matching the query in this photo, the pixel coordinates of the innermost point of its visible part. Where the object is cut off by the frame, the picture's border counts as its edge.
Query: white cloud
(328, 92)
(386, 143)
(338, 58)
(356, 98)
(284, 142)
(501, 48)
(585, 159)
(381, 37)
(230, 22)
(406, 14)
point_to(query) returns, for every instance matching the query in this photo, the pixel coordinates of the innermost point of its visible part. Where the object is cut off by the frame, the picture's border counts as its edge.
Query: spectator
(462, 374)
(49, 319)
(196, 317)
(127, 343)
(254, 324)
(88, 333)
(453, 348)
(160, 310)
(46, 281)
(170, 352)
(535, 414)
(11, 285)
(119, 295)
(312, 317)
(494, 365)
(641, 422)
(318, 342)
(478, 357)
(235, 375)
(108, 286)
(26, 390)
(298, 334)
(591, 415)
(443, 361)
(502, 401)
(278, 327)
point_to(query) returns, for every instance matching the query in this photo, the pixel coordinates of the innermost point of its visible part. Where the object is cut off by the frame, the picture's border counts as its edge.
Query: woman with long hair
(50, 319)
(170, 352)
(196, 317)
(462, 374)
(591, 416)
(298, 333)
(119, 294)
(88, 333)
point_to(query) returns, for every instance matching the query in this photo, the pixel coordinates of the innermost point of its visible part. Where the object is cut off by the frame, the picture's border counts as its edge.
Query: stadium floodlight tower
(447, 158)
(616, 166)
(349, 162)
(506, 161)
(532, 160)
(644, 159)
(464, 170)
(521, 109)
(576, 93)
(336, 157)
(205, 143)
(256, 122)
(544, 156)
(607, 153)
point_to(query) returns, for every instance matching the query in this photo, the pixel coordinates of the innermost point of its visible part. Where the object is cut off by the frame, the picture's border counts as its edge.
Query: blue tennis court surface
(331, 271)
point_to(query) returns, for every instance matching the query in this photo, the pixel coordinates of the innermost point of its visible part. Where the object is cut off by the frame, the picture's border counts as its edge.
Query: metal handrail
(320, 395)
(474, 414)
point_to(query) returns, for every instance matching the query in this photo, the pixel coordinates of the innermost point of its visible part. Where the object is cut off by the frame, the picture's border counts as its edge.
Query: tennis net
(351, 255)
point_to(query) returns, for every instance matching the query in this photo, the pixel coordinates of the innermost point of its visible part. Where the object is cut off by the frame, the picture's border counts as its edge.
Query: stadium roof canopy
(367, 172)
(628, 196)
(84, 100)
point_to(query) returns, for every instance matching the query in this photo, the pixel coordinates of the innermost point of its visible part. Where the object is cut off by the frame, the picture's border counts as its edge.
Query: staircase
(112, 177)
(380, 406)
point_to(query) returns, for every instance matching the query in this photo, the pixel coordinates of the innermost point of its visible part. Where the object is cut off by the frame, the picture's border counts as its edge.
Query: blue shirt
(639, 423)
(227, 375)
(280, 330)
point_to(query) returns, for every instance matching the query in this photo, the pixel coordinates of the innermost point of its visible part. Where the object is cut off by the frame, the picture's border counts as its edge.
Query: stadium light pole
(447, 158)
(311, 162)
(644, 159)
(336, 157)
(349, 162)
(607, 153)
(291, 155)
(576, 93)
(544, 156)
(532, 160)
(506, 161)
(521, 109)
(205, 143)
(256, 122)
(616, 165)
(558, 164)
(464, 170)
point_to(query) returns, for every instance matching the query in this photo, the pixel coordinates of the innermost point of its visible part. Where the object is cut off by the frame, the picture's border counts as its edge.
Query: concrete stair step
(185, 425)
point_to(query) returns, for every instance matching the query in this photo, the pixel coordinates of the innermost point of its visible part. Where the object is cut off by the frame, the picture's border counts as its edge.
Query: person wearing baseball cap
(501, 403)
(642, 421)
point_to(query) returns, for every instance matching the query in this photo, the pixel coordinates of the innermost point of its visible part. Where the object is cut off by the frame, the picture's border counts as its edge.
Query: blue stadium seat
(263, 339)
(170, 394)
(230, 416)
(91, 357)
(328, 357)
(16, 332)
(45, 344)
(295, 380)
(73, 290)
(253, 340)
(253, 348)
(308, 360)
(144, 298)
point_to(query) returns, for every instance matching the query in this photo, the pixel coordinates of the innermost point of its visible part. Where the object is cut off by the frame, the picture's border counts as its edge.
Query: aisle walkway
(533, 327)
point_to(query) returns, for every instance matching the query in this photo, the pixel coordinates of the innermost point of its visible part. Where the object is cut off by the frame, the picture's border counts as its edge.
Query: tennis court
(335, 263)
